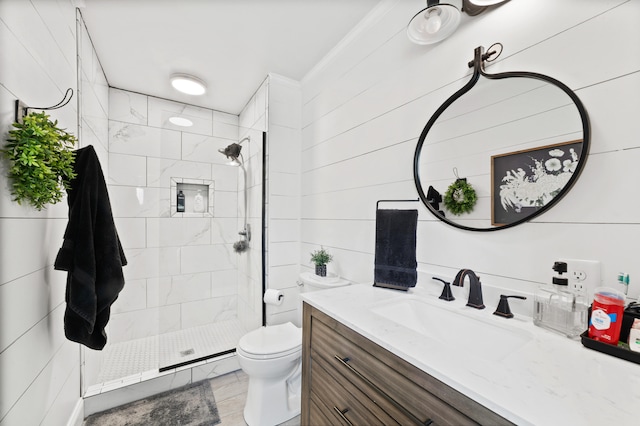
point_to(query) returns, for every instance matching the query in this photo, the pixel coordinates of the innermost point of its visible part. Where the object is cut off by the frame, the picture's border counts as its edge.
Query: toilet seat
(273, 341)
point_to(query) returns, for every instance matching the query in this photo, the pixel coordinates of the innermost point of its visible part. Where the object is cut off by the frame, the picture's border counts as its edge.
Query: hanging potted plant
(320, 258)
(41, 160)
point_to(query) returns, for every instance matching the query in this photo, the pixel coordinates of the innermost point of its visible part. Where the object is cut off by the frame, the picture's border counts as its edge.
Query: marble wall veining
(252, 122)
(182, 270)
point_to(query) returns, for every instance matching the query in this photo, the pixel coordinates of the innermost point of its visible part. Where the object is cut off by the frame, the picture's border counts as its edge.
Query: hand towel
(91, 253)
(395, 257)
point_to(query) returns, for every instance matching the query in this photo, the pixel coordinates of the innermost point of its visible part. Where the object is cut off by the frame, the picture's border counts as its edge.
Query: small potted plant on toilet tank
(320, 258)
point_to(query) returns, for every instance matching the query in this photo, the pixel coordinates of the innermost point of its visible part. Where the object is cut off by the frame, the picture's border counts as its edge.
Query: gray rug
(191, 405)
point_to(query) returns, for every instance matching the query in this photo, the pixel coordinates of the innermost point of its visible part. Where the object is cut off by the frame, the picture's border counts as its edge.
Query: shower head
(232, 151)
(240, 246)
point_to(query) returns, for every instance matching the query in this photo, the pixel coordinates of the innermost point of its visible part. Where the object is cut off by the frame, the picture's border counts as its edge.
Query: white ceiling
(230, 44)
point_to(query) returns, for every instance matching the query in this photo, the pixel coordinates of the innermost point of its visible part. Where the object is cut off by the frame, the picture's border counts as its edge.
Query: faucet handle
(503, 309)
(446, 291)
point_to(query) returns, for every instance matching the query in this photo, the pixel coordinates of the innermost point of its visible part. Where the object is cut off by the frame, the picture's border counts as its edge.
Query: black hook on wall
(22, 109)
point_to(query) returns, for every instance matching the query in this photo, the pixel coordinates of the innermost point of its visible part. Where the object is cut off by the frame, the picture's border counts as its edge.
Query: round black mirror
(520, 139)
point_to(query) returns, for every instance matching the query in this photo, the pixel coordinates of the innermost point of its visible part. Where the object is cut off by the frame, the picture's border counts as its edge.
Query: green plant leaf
(41, 158)
(321, 257)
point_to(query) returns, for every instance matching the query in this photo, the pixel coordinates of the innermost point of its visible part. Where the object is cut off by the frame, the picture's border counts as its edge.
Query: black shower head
(232, 151)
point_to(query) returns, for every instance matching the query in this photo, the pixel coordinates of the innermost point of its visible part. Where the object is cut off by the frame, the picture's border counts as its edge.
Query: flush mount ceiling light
(188, 84)
(181, 121)
(433, 24)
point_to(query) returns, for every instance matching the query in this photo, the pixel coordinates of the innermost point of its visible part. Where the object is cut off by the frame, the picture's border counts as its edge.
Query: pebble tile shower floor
(150, 353)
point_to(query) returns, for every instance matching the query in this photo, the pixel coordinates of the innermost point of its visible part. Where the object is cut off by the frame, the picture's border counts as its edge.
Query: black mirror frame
(478, 70)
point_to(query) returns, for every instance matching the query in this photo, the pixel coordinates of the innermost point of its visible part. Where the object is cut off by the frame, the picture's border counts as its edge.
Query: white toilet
(271, 357)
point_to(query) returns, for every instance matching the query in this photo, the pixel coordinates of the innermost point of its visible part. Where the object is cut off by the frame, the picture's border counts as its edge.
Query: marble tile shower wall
(182, 270)
(93, 97)
(93, 129)
(253, 121)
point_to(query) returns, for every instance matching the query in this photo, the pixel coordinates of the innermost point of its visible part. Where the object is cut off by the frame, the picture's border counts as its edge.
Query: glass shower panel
(182, 302)
(188, 295)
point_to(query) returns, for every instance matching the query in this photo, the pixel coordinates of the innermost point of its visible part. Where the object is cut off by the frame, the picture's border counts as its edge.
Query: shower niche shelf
(198, 197)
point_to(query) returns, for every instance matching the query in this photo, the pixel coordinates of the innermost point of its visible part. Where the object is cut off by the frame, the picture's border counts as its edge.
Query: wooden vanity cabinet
(349, 380)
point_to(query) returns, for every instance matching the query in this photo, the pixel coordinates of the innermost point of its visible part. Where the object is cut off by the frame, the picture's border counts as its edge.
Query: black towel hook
(22, 109)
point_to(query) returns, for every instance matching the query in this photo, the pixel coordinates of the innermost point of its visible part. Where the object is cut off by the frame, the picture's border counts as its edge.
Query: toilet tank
(308, 281)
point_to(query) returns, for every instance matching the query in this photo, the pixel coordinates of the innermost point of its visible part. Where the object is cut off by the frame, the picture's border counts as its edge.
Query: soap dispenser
(180, 202)
(557, 308)
(198, 202)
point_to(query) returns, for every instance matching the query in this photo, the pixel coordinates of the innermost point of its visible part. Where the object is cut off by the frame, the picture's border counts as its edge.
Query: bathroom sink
(462, 333)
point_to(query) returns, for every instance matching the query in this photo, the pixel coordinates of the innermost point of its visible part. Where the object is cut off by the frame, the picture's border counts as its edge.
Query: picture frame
(524, 181)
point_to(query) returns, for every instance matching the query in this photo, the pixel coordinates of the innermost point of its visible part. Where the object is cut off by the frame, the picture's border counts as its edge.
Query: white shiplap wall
(39, 368)
(365, 105)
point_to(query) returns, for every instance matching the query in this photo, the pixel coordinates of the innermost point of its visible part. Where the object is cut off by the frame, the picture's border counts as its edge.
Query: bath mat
(191, 405)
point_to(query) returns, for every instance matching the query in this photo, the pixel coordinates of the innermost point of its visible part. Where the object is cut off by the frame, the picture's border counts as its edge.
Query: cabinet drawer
(340, 395)
(317, 414)
(406, 401)
(406, 393)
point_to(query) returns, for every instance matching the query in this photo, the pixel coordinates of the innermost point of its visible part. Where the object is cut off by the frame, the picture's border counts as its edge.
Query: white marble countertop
(550, 380)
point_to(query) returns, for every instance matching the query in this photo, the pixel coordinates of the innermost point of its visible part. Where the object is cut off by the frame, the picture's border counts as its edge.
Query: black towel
(395, 260)
(91, 253)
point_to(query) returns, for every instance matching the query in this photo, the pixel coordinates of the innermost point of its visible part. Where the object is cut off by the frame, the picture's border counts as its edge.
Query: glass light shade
(434, 23)
(181, 121)
(188, 84)
(421, 27)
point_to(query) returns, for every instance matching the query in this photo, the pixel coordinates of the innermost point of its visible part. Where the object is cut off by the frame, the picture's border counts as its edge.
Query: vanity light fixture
(188, 84)
(180, 121)
(486, 2)
(433, 24)
(476, 7)
(442, 17)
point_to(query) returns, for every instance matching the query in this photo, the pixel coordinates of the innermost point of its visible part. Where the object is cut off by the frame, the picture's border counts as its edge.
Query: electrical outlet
(578, 276)
(584, 276)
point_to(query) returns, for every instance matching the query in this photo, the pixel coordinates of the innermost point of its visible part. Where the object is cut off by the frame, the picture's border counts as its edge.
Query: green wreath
(460, 197)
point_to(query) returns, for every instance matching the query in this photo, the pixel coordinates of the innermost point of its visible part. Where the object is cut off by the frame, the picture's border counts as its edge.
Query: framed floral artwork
(525, 181)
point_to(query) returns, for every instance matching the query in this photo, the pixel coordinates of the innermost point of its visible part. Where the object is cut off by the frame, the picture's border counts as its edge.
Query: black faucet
(475, 287)
(503, 309)
(446, 291)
